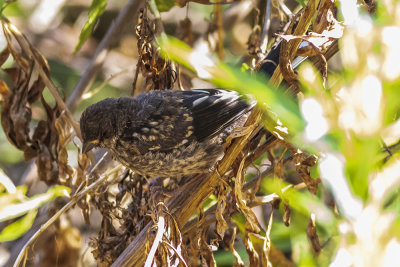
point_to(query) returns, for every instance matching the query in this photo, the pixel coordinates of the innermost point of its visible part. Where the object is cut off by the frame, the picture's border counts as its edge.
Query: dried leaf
(312, 234)
(65, 134)
(254, 41)
(4, 55)
(16, 114)
(303, 164)
(83, 168)
(22, 63)
(327, 31)
(221, 225)
(251, 218)
(185, 32)
(35, 91)
(47, 167)
(325, 19)
(253, 255)
(207, 256)
(4, 90)
(286, 214)
(238, 261)
(159, 72)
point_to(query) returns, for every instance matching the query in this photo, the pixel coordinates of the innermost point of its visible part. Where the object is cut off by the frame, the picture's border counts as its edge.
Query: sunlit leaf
(18, 228)
(96, 9)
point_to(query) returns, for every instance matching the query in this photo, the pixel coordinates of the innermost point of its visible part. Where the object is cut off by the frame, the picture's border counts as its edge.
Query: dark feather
(213, 110)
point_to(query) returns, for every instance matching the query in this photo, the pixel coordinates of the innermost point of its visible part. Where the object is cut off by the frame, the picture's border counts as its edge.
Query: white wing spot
(201, 91)
(198, 101)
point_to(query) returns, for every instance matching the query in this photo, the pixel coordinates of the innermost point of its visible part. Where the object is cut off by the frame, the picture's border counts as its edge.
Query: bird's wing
(213, 110)
(169, 119)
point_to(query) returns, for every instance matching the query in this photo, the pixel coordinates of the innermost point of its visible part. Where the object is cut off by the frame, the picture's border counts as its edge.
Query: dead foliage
(47, 141)
(152, 221)
(157, 71)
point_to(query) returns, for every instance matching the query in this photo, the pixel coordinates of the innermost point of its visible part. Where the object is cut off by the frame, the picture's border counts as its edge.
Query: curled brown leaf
(65, 134)
(25, 89)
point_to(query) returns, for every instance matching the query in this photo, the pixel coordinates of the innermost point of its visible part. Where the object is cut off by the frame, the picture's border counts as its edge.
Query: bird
(165, 133)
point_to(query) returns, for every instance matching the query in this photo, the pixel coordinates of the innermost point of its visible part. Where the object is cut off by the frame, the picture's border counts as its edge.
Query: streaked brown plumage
(164, 133)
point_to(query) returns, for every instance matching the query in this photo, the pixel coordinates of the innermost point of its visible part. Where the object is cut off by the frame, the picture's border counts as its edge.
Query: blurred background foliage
(348, 119)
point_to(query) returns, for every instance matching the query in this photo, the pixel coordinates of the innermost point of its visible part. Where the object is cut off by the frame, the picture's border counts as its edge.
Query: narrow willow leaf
(96, 9)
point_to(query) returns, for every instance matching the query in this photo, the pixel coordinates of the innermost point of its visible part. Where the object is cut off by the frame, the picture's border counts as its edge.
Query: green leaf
(301, 2)
(302, 252)
(244, 67)
(361, 156)
(3, 4)
(225, 258)
(164, 5)
(96, 9)
(18, 228)
(11, 8)
(10, 211)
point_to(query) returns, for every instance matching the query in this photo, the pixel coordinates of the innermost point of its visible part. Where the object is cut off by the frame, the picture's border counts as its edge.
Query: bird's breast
(191, 159)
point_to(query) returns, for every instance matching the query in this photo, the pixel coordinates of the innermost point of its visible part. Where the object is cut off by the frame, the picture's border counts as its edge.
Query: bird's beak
(87, 146)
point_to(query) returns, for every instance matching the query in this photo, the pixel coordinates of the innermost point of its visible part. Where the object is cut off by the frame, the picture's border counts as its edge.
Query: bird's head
(97, 124)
